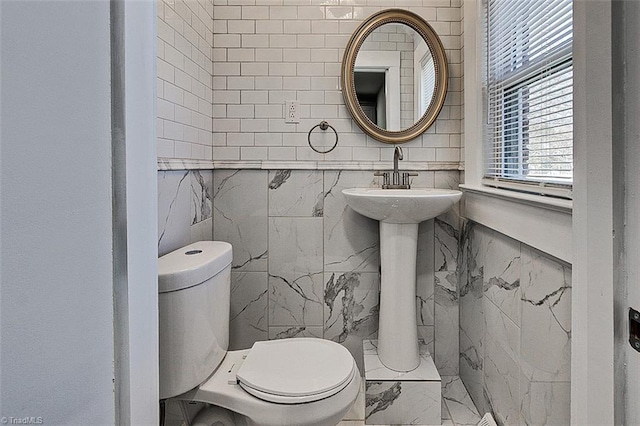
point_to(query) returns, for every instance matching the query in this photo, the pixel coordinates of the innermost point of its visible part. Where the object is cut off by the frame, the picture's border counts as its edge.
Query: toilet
(298, 381)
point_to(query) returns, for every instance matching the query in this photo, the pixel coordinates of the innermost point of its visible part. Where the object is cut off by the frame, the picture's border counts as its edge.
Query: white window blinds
(529, 84)
(428, 82)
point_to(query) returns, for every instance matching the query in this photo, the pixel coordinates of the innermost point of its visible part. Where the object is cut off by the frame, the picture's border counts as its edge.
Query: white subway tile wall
(226, 68)
(185, 84)
(269, 51)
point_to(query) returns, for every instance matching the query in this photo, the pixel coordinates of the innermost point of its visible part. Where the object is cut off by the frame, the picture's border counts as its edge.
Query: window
(428, 79)
(425, 78)
(529, 87)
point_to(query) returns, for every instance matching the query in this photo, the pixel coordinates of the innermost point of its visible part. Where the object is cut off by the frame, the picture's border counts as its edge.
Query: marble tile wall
(515, 329)
(304, 264)
(185, 207)
(307, 265)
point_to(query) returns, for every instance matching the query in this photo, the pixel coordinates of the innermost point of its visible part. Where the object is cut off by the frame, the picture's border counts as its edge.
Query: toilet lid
(296, 370)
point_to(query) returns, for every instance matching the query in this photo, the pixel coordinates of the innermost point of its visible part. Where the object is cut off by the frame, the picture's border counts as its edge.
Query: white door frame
(388, 61)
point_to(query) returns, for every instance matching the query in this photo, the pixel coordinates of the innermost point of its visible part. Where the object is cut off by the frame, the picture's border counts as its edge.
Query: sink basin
(401, 205)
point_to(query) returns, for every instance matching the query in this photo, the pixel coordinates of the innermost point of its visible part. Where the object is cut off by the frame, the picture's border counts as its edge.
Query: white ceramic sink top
(401, 205)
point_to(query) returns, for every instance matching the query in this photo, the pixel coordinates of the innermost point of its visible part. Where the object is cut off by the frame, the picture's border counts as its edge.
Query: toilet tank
(193, 302)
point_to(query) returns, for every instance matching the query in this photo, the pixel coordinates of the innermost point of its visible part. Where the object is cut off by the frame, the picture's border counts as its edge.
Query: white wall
(135, 200)
(626, 134)
(77, 213)
(56, 318)
(592, 372)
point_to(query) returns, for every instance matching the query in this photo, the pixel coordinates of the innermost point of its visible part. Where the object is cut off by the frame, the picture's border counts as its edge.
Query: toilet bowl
(299, 381)
(223, 389)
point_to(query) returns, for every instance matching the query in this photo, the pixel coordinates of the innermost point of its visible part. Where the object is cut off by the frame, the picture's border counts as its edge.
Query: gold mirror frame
(394, 16)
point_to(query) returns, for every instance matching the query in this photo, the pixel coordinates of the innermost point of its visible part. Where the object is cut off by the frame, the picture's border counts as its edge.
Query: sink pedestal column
(398, 331)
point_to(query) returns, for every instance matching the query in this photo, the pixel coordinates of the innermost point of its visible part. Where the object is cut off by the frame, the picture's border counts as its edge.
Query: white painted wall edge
(592, 348)
(626, 198)
(545, 227)
(135, 233)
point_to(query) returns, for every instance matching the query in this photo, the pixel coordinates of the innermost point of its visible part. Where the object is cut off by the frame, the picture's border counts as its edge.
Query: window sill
(544, 223)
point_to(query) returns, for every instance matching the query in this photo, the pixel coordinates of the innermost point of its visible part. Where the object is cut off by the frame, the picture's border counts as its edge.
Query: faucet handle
(385, 177)
(405, 178)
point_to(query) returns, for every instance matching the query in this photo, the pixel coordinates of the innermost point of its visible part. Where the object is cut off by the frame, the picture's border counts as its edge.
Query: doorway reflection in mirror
(371, 91)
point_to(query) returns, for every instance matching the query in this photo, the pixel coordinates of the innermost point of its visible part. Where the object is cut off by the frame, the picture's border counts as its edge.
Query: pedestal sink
(399, 212)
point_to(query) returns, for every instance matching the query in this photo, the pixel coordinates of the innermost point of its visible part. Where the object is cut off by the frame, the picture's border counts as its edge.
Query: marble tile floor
(457, 407)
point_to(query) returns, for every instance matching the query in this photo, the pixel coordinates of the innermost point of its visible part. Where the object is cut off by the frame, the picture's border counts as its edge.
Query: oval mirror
(394, 76)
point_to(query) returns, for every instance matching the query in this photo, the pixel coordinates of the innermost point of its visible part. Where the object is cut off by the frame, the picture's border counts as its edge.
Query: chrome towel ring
(323, 126)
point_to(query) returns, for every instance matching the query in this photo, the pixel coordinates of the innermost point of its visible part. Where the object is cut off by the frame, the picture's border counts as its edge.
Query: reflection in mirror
(377, 83)
(394, 76)
(424, 72)
(371, 91)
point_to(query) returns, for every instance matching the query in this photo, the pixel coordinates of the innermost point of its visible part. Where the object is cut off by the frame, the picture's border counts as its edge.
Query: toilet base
(222, 390)
(216, 416)
(401, 398)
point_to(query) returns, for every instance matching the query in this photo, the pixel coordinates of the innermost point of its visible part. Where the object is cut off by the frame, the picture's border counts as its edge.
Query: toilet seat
(295, 371)
(221, 389)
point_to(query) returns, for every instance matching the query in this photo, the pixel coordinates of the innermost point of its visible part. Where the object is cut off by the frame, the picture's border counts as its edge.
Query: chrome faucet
(397, 155)
(395, 176)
